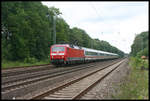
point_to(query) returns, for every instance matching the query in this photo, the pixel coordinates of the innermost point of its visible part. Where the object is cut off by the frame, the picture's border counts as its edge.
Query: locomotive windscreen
(54, 49)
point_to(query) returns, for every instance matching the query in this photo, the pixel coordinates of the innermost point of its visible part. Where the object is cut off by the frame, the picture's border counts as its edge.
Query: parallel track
(32, 78)
(78, 87)
(21, 67)
(25, 69)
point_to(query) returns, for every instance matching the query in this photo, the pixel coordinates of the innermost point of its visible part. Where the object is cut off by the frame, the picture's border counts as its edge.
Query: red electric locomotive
(66, 54)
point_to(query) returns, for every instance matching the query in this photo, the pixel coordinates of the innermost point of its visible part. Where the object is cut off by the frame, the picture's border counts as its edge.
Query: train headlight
(61, 53)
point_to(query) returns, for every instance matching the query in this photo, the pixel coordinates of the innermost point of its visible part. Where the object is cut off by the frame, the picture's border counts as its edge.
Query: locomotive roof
(68, 45)
(61, 45)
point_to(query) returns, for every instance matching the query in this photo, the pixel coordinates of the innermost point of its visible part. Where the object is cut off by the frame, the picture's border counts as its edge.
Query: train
(73, 54)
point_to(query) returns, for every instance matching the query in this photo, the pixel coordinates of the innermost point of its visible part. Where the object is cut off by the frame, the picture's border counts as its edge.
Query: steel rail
(22, 82)
(40, 96)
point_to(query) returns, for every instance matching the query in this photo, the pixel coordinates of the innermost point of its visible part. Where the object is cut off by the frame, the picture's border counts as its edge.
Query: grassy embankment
(9, 64)
(136, 83)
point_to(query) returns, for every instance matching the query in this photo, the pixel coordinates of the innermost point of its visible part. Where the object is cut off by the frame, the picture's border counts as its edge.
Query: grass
(136, 84)
(10, 64)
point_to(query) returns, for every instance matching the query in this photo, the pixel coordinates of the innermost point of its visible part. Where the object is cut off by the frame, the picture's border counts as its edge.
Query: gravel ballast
(110, 85)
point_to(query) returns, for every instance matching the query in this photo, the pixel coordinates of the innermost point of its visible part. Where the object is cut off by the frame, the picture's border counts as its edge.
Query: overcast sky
(114, 22)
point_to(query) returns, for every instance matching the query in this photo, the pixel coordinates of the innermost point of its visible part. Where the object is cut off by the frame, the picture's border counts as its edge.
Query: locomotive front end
(57, 54)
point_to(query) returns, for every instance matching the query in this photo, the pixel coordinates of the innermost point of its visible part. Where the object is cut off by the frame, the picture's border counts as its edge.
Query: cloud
(115, 22)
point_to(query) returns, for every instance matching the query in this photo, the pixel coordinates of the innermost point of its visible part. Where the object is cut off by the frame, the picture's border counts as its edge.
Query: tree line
(27, 32)
(140, 45)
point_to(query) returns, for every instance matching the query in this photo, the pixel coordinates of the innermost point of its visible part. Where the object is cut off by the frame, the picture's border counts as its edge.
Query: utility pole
(49, 18)
(54, 26)
(104, 46)
(143, 57)
(92, 43)
(54, 29)
(142, 44)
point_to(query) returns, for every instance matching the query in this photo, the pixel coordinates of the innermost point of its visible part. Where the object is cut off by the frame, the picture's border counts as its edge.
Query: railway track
(27, 79)
(7, 87)
(25, 69)
(76, 88)
(41, 76)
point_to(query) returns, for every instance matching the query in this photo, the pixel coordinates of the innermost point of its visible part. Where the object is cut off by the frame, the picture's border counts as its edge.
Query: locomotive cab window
(54, 49)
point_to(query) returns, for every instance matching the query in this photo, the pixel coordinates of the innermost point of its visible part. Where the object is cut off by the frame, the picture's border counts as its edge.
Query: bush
(137, 61)
(30, 60)
(143, 52)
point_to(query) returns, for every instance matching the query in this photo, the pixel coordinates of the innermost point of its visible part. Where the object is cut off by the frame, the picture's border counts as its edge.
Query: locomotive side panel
(74, 54)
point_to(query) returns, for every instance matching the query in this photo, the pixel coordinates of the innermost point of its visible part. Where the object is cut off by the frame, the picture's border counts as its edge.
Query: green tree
(140, 43)
(27, 32)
